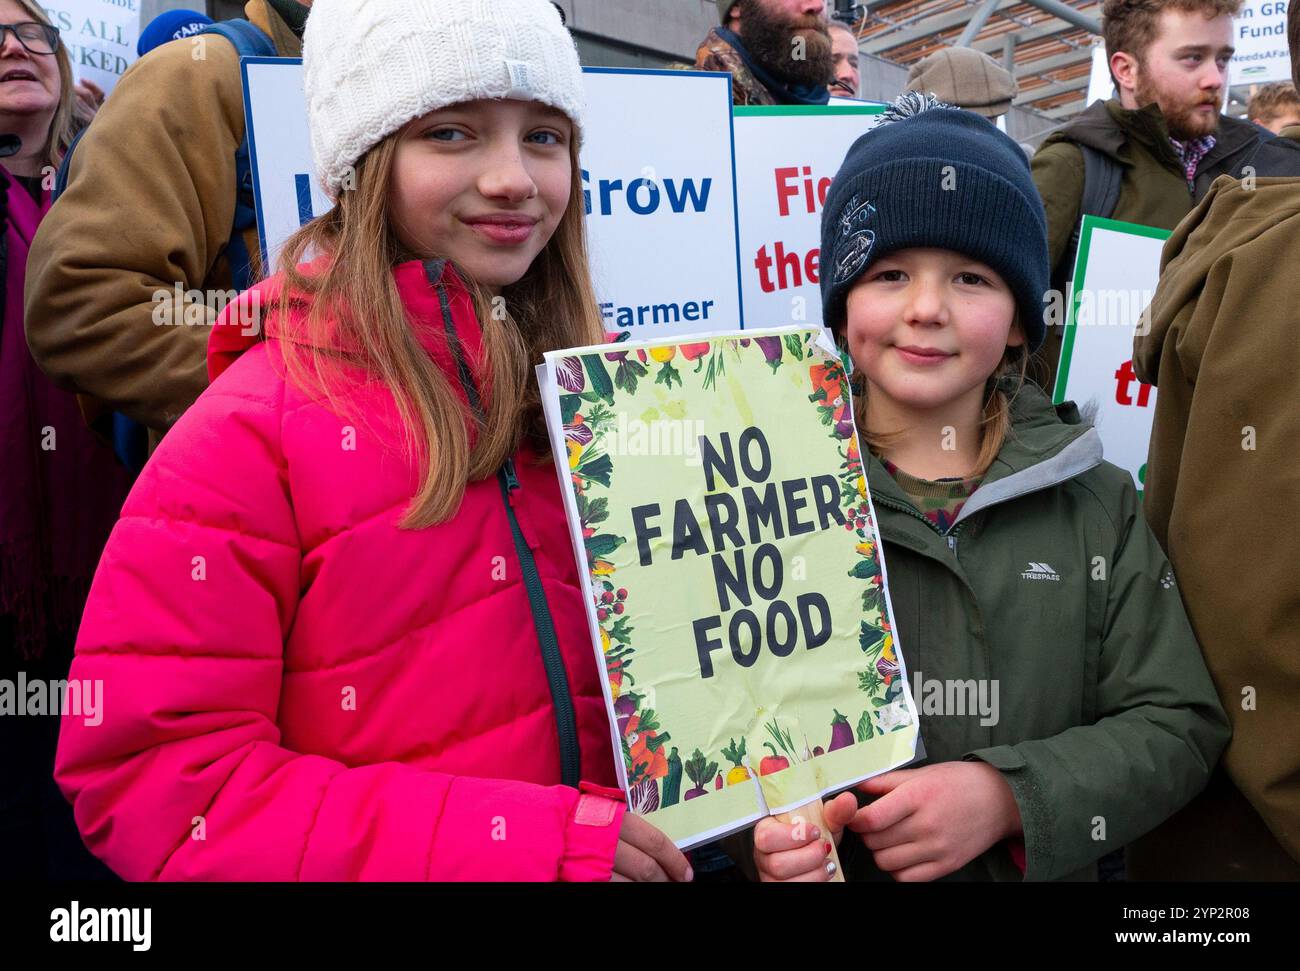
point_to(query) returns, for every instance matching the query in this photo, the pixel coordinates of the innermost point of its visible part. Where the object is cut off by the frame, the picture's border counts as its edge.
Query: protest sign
(785, 160)
(735, 593)
(660, 195)
(840, 100)
(1259, 39)
(287, 193)
(1115, 276)
(100, 35)
(661, 201)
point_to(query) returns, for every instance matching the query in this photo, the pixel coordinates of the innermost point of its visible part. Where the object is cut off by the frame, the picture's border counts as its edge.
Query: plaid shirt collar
(1190, 154)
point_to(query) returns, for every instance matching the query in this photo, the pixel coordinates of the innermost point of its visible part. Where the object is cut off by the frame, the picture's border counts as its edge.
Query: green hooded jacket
(1050, 585)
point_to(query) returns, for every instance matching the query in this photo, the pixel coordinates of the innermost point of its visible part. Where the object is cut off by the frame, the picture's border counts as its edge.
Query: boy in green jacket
(1065, 708)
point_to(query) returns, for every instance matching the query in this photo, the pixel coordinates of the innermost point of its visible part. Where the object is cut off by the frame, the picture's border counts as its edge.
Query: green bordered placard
(1079, 284)
(812, 110)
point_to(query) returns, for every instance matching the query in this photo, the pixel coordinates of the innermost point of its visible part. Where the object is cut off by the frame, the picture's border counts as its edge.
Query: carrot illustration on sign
(833, 403)
(645, 742)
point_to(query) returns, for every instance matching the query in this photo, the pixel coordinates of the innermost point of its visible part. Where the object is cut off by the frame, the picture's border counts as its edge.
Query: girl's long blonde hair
(552, 306)
(63, 126)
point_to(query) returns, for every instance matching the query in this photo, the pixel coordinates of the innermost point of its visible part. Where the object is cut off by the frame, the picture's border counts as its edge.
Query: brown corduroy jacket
(1222, 489)
(149, 205)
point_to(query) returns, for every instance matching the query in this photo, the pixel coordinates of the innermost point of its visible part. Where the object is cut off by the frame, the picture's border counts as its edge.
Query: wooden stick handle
(811, 814)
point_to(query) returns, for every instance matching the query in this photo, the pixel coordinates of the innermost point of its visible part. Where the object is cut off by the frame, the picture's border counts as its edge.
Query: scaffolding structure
(1048, 52)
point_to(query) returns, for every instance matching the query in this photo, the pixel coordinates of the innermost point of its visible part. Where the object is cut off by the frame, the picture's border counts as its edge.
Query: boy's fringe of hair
(1272, 100)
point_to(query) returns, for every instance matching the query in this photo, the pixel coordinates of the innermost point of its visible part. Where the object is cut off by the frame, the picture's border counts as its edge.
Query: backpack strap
(61, 176)
(249, 40)
(1102, 176)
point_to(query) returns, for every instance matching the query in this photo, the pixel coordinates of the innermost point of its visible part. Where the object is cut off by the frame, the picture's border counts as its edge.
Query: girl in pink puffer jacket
(339, 625)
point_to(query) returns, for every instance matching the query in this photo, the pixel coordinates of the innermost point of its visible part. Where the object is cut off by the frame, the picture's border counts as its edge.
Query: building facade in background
(653, 34)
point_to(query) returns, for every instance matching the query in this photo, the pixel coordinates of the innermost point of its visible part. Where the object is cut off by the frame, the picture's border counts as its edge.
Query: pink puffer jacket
(296, 689)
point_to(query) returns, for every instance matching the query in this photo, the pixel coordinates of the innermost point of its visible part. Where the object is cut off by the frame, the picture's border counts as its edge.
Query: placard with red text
(785, 160)
(1115, 276)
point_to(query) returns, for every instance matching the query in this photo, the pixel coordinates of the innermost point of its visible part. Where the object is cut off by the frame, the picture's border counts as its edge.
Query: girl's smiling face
(483, 184)
(929, 326)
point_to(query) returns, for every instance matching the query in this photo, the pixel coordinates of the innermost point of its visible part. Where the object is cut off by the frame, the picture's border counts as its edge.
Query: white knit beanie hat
(370, 66)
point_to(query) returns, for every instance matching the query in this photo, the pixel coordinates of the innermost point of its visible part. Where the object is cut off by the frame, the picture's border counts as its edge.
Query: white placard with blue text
(660, 182)
(660, 194)
(100, 36)
(284, 174)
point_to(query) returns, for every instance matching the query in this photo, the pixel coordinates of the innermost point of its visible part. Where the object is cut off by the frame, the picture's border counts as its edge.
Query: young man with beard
(1169, 61)
(778, 52)
(1222, 483)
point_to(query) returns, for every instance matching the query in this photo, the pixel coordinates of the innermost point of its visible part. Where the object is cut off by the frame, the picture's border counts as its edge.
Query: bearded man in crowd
(778, 52)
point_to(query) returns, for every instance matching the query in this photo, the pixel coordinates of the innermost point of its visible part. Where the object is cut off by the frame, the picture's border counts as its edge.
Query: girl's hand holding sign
(646, 855)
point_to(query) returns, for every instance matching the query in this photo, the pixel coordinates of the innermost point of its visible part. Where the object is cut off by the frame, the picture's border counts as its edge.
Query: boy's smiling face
(929, 326)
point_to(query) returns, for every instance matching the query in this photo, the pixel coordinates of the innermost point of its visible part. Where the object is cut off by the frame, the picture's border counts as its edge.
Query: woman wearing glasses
(60, 489)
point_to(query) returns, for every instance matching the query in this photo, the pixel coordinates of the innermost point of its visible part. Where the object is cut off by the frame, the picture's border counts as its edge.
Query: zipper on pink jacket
(557, 678)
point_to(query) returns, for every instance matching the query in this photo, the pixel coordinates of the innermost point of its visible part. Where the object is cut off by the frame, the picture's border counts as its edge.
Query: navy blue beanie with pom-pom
(930, 175)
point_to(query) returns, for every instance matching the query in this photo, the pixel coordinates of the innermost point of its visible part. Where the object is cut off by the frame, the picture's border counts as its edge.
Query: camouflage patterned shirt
(715, 54)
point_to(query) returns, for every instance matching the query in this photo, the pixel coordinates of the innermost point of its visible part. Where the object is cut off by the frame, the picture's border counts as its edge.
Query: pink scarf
(57, 504)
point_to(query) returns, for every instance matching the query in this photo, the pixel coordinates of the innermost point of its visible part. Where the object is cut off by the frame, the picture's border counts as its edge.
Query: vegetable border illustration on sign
(736, 596)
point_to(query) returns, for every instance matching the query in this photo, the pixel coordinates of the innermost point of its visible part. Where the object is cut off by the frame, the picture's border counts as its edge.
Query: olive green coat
(1051, 585)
